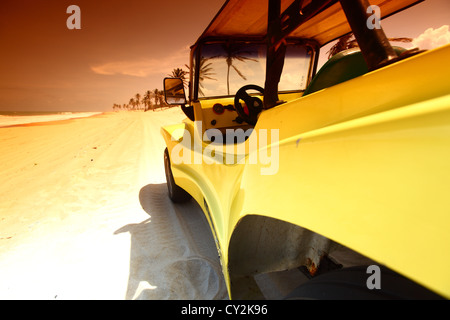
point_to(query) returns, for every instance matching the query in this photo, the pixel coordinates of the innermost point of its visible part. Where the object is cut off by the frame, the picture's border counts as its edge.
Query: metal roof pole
(374, 44)
(275, 55)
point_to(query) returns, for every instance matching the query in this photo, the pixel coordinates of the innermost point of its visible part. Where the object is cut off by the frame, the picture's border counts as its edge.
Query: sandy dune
(84, 214)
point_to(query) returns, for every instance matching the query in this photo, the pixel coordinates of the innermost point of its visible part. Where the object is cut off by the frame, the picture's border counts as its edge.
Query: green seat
(341, 67)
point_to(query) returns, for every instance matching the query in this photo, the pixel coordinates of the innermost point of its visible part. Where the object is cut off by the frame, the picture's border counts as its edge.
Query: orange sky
(46, 66)
(124, 47)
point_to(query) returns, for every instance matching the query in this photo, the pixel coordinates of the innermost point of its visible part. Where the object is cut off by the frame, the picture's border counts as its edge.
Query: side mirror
(174, 91)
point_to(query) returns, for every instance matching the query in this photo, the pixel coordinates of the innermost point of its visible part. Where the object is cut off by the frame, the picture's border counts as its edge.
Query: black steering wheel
(254, 104)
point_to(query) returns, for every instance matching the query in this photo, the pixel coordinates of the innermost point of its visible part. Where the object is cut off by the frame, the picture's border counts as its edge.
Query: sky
(126, 47)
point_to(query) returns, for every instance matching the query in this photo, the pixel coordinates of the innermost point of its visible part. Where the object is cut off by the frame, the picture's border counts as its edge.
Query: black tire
(350, 284)
(176, 193)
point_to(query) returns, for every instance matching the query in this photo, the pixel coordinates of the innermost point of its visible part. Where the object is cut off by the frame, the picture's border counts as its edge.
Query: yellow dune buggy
(342, 173)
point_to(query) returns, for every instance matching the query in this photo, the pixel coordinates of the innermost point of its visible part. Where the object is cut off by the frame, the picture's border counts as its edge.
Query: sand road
(84, 214)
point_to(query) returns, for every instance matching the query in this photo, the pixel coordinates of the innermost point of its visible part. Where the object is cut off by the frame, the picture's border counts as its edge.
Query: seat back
(343, 66)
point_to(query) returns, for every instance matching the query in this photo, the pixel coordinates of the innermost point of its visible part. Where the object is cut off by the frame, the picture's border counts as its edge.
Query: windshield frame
(196, 56)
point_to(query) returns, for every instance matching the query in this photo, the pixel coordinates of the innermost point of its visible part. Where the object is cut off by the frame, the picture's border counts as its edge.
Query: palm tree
(138, 100)
(180, 73)
(234, 52)
(156, 96)
(346, 42)
(161, 98)
(205, 73)
(144, 102)
(132, 103)
(147, 101)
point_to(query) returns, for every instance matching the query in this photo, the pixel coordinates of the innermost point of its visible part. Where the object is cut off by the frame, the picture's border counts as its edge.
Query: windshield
(226, 67)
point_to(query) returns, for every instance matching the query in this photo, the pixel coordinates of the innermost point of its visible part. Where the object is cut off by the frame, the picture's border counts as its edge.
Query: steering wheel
(254, 104)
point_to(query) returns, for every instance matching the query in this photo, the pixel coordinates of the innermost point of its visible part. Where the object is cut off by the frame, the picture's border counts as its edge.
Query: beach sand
(84, 214)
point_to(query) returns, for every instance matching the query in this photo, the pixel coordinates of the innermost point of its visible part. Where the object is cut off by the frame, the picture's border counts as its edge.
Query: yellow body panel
(365, 163)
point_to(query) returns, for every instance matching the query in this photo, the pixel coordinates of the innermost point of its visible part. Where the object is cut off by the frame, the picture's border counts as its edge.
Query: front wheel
(176, 193)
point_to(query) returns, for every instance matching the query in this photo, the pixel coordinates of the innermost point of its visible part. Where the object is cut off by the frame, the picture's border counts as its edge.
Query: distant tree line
(151, 99)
